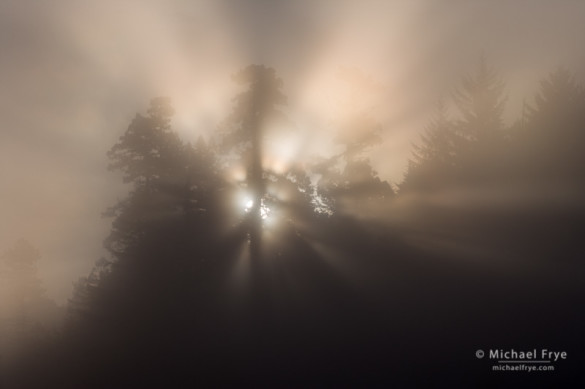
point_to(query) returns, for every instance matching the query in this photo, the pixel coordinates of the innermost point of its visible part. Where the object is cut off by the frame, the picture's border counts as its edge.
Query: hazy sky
(74, 73)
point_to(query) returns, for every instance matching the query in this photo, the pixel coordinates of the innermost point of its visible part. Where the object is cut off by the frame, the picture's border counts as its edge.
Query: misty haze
(290, 194)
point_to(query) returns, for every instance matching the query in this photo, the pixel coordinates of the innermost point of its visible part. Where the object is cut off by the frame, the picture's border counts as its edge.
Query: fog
(75, 74)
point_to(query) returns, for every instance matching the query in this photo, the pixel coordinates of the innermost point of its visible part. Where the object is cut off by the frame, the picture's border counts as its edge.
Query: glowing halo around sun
(264, 209)
(282, 151)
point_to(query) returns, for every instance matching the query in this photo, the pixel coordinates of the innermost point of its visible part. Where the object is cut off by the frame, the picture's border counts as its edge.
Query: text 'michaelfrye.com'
(522, 360)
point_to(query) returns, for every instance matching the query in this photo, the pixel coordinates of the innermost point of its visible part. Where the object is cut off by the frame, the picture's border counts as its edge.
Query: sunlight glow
(264, 209)
(237, 173)
(319, 205)
(282, 152)
(264, 212)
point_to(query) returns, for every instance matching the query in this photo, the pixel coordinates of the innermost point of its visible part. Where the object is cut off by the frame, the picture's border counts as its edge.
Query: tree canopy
(194, 285)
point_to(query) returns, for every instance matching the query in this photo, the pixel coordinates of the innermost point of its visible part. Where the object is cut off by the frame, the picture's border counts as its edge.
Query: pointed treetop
(480, 100)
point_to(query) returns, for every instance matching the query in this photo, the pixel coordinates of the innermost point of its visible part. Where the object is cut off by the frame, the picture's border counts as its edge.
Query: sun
(264, 209)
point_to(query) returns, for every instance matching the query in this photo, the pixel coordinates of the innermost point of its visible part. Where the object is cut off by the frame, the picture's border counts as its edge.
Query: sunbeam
(226, 193)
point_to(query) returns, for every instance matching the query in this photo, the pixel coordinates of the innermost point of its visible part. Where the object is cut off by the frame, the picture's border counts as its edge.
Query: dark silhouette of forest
(357, 283)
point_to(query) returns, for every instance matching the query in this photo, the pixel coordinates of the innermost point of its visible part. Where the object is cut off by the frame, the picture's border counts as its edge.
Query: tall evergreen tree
(149, 153)
(244, 134)
(348, 180)
(144, 299)
(439, 144)
(555, 134)
(558, 102)
(436, 155)
(154, 161)
(480, 101)
(23, 291)
(469, 149)
(27, 316)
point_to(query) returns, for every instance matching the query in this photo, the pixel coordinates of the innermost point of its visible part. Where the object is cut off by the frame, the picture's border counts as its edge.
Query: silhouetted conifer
(347, 180)
(437, 156)
(480, 102)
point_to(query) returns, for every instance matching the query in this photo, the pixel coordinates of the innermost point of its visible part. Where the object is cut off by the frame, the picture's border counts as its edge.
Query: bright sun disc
(264, 210)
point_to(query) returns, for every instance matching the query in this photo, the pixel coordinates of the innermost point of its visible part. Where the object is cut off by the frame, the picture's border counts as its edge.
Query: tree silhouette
(325, 298)
(23, 293)
(80, 305)
(437, 154)
(20, 272)
(558, 103)
(160, 239)
(469, 149)
(149, 153)
(555, 127)
(439, 144)
(28, 318)
(348, 180)
(154, 161)
(480, 102)
(244, 135)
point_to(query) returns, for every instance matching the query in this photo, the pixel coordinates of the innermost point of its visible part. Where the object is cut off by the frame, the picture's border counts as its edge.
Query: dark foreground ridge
(372, 312)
